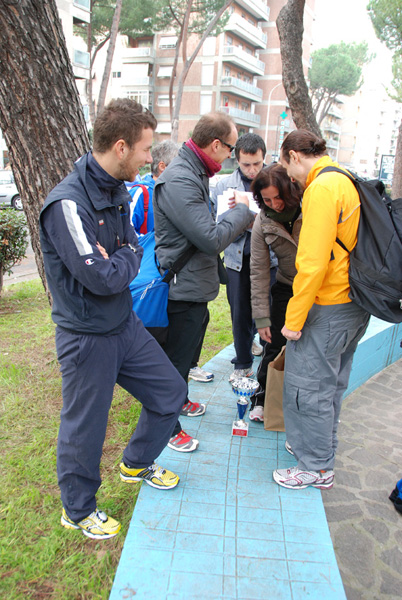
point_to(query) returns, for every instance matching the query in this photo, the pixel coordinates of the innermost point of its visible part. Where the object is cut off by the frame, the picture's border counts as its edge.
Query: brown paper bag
(273, 407)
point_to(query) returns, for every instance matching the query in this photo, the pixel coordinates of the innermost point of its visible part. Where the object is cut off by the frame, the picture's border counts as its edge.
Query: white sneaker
(256, 349)
(199, 374)
(297, 479)
(257, 414)
(237, 373)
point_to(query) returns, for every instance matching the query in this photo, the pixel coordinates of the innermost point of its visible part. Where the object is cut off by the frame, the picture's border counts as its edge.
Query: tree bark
(186, 67)
(109, 56)
(290, 28)
(397, 177)
(40, 114)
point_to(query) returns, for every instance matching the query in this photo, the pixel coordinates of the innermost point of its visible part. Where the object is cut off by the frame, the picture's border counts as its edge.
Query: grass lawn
(40, 559)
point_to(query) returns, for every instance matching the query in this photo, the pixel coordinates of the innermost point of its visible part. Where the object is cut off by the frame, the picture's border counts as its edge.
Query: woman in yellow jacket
(322, 324)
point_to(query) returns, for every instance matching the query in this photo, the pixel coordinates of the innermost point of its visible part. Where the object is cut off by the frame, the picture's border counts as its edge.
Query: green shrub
(13, 240)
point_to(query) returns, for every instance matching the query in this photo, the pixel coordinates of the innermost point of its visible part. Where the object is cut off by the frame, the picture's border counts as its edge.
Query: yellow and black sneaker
(153, 475)
(97, 525)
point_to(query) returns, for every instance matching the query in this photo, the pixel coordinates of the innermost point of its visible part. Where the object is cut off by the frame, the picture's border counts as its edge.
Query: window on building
(165, 71)
(225, 100)
(85, 4)
(245, 106)
(163, 99)
(207, 75)
(141, 96)
(236, 104)
(209, 46)
(116, 74)
(205, 103)
(229, 40)
(227, 72)
(168, 42)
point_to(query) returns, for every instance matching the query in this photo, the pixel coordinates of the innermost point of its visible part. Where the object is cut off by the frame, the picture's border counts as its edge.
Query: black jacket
(90, 293)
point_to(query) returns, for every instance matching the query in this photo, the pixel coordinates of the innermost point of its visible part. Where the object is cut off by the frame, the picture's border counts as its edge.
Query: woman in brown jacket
(277, 226)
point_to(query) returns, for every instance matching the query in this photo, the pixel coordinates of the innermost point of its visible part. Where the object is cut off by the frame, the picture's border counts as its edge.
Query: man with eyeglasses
(184, 215)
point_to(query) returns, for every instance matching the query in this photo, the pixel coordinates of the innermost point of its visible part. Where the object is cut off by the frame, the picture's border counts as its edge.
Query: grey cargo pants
(317, 369)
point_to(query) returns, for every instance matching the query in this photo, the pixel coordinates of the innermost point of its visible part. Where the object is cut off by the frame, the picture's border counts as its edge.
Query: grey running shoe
(183, 442)
(297, 479)
(238, 373)
(199, 374)
(288, 447)
(192, 409)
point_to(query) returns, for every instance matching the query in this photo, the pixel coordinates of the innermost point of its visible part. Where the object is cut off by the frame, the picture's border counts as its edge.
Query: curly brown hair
(276, 176)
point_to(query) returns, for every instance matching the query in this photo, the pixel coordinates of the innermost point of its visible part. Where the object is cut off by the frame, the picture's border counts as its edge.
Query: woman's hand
(291, 335)
(265, 334)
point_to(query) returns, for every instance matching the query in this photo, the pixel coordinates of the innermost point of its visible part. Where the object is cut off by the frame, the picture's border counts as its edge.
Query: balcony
(138, 55)
(253, 35)
(241, 88)
(331, 127)
(242, 117)
(258, 9)
(331, 143)
(81, 11)
(81, 64)
(242, 59)
(135, 81)
(336, 112)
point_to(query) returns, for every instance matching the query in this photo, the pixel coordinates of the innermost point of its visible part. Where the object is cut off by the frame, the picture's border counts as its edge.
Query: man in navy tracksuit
(91, 254)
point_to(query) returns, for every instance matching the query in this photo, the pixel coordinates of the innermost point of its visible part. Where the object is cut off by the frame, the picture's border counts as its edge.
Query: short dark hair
(165, 152)
(277, 176)
(121, 119)
(212, 126)
(304, 141)
(250, 143)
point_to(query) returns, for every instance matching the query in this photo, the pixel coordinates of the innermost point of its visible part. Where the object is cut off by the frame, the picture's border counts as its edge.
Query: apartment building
(238, 72)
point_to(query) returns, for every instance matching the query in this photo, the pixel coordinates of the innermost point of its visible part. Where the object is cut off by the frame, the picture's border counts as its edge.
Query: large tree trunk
(40, 114)
(290, 28)
(397, 177)
(109, 56)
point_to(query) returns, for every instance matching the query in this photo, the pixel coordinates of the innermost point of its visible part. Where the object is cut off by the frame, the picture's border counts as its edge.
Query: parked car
(9, 195)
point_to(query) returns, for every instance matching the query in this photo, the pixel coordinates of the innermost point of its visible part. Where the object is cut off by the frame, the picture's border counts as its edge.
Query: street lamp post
(268, 111)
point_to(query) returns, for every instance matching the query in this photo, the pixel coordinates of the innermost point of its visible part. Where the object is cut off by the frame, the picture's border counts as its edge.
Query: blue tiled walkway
(227, 531)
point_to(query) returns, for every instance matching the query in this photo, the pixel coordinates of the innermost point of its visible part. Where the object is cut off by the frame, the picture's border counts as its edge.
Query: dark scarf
(211, 166)
(286, 217)
(246, 181)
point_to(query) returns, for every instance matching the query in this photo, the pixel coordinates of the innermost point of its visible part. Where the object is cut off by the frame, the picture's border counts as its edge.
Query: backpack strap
(179, 263)
(144, 226)
(352, 179)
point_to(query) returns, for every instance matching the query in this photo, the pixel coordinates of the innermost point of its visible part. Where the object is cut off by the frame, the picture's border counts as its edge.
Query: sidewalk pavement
(228, 532)
(366, 530)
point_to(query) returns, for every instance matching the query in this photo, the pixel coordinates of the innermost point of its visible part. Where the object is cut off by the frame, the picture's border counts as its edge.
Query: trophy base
(240, 428)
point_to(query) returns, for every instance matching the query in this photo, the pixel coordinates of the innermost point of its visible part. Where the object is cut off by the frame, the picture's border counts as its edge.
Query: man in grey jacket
(185, 215)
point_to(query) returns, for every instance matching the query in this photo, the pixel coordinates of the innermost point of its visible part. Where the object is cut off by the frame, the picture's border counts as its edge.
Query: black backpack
(375, 271)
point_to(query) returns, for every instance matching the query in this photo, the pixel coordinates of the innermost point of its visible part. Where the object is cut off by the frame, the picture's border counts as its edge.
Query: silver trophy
(243, 388)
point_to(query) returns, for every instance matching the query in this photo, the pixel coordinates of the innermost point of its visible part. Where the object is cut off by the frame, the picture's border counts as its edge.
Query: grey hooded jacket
(184, 215)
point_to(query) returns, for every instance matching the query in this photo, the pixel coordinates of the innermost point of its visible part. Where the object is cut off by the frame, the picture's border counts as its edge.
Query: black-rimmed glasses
(231, 148)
